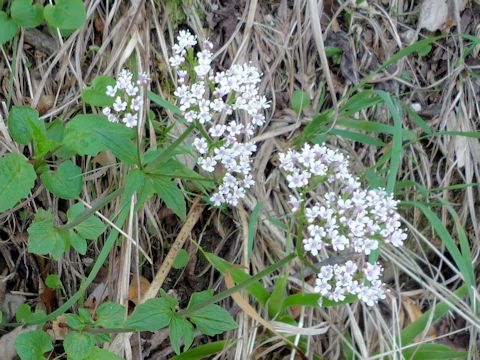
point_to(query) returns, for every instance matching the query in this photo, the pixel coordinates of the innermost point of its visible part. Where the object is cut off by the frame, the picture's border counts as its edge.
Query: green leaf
(75, 322)
(25, 14)
(65, 14)
(17, 178)
(203, 351)
(300, 101)
(95, 94)
(66, 182)
(78, 345)
(181, 260)
(77, 242)
(32, 345)
(303, 299)
(43, 236)
(90, 228)
(212, 319)
(164, 103)
(21, 122)
(8, 28)
(24, 314)
(110, 315)
(432, 352)
(181, 330)
(276, 299)
(53, 281)
(252, 222)
(102, 354)
(152, 315)
(90, 134)
(171, 195)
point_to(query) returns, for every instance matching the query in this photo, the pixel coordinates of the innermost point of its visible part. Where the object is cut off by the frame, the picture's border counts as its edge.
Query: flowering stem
(164, 155)
(226, 293)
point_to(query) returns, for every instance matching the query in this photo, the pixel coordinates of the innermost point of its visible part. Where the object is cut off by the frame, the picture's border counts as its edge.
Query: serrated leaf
(17, 178)
(171, 195)
(21, 122)
(181, 260)
(110, 315)
(65, 14)
(300, 101)
(102, 354)
(32, 345)
(8, 28)
(78, 345)
(74, 321)
(25, 14)
(66, 182)
(95, 94)
(77, 242)
(181, 331)
(53, 281)
(152, 315)
(91, 228)
(213, 320)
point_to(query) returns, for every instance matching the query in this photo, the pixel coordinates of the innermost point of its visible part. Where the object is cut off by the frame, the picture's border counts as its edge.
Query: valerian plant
(221, 111)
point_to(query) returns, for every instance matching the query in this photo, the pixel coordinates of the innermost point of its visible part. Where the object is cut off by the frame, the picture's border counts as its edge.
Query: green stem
(164, 155)
(226, 293)
(97, 205)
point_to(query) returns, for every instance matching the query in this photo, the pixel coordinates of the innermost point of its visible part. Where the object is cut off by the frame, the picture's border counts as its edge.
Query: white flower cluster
(348, 218)
(210, 99)
(128, 101)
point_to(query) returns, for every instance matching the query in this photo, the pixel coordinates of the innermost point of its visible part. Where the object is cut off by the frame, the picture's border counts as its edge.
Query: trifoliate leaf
(17, 178)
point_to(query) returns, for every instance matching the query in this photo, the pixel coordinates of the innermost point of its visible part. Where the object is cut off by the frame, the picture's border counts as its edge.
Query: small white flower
(111, 90)
(119, 105)
(143, 79)
(201, 145)
(130, 120)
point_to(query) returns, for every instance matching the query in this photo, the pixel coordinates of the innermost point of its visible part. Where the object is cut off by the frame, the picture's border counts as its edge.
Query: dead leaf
(133, 289)
(437, 14)
(413, 313)
(59, 328)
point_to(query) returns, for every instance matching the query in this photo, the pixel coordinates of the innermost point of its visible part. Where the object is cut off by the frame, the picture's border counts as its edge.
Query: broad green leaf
(78, 345)
(56, 130)
(152, 315)
(90, 134)
(17, 178)
(432, 352)
(53, 281)
(110, 315)
(65, 14)
(203, 351)
(181, 260)
(26, 14)
(43, 237)
(66, 182)
(213, 320)
(32, 345)
(200, 297)
(24, 314)
(95, 94)
(90, 228)
(300, 101)
(77, 242)
(171, 195)
(181, 331)
(75, 322)
(102, 354)
(8, 28)
(21, 122)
